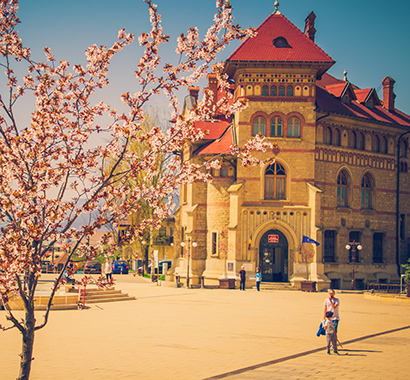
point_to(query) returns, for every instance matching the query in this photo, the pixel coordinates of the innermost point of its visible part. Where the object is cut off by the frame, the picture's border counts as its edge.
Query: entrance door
(273, 256)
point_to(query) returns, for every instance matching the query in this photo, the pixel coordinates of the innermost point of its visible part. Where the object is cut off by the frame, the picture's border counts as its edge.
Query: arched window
(342, 189)
(376, 144)
(293, 127)
(352, 140)
(289, 91)
(360, 141)
(276, 126)
(328, 136)
(280, 42)
(366, 191)
(259, 125)
(273, 91)
(281, 91)
(275, 182)
(383, 145)
(336, 137)
(265, 91)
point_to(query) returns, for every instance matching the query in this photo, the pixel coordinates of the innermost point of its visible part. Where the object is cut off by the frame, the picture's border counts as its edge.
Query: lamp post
(182, 246)
(354, 246)
(143, 256)
(194, 244)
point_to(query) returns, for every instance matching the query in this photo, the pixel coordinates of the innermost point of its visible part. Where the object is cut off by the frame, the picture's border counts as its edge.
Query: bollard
(177, 281)
(202, 282)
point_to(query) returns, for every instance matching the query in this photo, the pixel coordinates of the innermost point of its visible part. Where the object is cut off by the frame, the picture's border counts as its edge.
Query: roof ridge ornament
(345, 75)
(276, 8)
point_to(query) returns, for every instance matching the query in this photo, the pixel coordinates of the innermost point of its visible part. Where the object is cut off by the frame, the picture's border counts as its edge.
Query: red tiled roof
(261, 48)
(329, 103)
(219, 146)
(327, 80)
(363, 94)
(337, 89)
(215, 129)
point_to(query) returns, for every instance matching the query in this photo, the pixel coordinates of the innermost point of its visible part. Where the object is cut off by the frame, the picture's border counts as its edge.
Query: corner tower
(276, 71)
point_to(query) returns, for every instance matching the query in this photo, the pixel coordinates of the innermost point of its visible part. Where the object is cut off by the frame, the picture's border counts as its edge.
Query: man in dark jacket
(242, 276)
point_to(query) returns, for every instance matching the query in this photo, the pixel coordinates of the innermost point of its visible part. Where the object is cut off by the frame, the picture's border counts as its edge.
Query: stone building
(334, 178)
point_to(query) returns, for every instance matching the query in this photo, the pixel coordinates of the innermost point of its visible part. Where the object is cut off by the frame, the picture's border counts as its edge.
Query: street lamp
(354, 246)
(194, 244)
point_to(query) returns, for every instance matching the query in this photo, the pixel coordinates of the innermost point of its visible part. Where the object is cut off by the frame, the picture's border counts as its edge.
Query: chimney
(213, 86)
(193, 91)
(388, 94)
(310, 30)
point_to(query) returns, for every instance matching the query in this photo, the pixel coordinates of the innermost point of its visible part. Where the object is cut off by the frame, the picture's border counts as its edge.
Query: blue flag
(309, 240)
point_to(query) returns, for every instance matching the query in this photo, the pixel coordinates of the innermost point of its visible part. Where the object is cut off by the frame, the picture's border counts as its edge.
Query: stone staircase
(276, 286)
(106, 295)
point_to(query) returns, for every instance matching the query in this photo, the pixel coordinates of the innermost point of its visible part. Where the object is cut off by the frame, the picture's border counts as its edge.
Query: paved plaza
(178, 333)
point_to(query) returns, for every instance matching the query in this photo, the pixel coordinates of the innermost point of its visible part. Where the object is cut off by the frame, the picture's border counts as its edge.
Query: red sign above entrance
(273, 238)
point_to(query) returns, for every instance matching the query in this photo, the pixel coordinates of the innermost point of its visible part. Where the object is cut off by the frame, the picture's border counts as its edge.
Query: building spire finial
(345, 75)
(276, 8)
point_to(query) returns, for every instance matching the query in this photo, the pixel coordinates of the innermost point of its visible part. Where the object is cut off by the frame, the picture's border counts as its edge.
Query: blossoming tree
(52, 171)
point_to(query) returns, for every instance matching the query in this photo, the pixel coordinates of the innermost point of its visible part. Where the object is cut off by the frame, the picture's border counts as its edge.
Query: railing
(384, 288)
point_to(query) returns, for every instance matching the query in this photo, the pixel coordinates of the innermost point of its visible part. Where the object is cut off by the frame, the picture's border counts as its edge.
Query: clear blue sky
(368, 38)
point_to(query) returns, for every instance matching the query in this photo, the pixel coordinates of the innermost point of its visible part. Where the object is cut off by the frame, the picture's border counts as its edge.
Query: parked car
(120, 267)
(92, 267)
(161, 265)
(47, 267)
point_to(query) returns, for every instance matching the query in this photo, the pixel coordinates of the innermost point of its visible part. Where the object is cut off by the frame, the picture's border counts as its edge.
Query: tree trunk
(27, 345)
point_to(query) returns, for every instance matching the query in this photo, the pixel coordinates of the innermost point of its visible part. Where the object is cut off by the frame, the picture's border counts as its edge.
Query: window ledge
(344, 210)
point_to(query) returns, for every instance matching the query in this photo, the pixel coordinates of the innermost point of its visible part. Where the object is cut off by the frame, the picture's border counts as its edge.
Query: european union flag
(309, 240)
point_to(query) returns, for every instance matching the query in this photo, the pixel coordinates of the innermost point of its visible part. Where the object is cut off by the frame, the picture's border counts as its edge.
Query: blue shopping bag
(321, 330)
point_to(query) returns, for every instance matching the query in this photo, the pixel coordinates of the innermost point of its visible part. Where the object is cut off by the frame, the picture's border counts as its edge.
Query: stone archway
(274, 256)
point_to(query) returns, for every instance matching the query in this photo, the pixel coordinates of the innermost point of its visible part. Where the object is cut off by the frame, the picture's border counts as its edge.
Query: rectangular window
(184, 193)
(329, 246)
(335, 283)
(378, 247)
(214, 243)
(182, 240)
(171, 234)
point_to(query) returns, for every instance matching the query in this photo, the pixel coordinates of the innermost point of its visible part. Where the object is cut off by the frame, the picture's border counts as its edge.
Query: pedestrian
(330, 333)
(242, 277)
(108, 270)
(332, 304)
(258, 279)
(68, 273)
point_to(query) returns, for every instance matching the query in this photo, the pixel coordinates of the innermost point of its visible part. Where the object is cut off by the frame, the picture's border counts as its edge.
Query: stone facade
(333, 180)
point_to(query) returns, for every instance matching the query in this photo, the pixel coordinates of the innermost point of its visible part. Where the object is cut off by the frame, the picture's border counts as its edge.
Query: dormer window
(281, 42)
(369, 103)
(346, 99)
